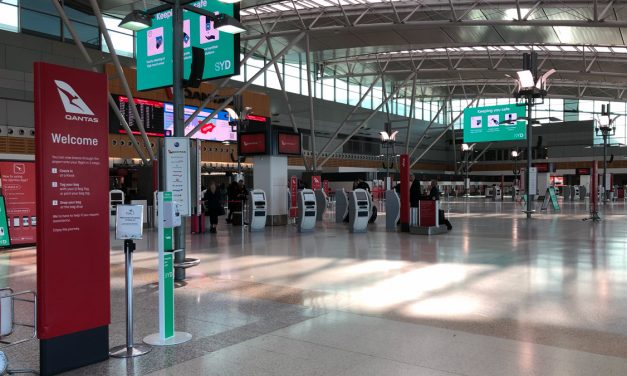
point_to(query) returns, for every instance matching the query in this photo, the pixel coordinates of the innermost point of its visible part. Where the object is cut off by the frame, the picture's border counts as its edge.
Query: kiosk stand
(306, 219)
(392, 209)
(341, 206)
(258, 210)
(321, 204)
(358, 210)
(168, 217)
(129, 222)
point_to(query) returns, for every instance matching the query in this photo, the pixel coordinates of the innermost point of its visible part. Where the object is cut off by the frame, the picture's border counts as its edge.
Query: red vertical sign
(18, 189)
(325, 187)
(293, 194)
(316, 182)
(71, 118)
(404, 167)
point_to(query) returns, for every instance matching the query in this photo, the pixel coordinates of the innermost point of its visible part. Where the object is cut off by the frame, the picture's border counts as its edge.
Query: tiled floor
(498, 295)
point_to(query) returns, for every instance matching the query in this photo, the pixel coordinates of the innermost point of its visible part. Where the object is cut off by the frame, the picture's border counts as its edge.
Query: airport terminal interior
(313, 187)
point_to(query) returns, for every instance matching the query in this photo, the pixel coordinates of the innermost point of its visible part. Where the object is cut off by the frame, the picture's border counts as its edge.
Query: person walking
(213, 206)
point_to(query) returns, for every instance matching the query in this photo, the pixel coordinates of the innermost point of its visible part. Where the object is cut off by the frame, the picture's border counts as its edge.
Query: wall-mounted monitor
(151, 113)
(218, 129)
(252, 143)
(289, 143)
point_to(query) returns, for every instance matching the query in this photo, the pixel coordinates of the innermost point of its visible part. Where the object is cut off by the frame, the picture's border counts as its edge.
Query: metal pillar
(178, 104)
(605, 195)
(529, 156)
(312, 127)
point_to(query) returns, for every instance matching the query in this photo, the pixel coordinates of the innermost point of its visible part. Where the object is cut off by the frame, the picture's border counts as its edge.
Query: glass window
(341, 91)
(9, 15)
(272, 81)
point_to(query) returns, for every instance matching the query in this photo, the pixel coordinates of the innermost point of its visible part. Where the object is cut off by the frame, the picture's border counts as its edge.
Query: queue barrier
(8, 324)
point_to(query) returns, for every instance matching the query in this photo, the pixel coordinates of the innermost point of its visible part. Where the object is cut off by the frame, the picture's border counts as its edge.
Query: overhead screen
(494, 123)
(151, 113)
(218, 129)
(154, 46)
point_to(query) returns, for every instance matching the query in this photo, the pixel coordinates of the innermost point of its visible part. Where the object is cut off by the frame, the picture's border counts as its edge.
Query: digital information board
(494, 123)
(218, 129)
(154, 46)
(151, 113)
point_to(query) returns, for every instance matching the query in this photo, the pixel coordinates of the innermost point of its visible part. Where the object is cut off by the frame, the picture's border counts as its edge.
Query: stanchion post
(130, 349)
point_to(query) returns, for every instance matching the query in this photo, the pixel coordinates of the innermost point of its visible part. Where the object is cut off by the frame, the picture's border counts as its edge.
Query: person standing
(213, 206)
(434, 194)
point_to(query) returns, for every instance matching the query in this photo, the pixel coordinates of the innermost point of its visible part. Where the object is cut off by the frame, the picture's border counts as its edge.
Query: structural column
(270, 175)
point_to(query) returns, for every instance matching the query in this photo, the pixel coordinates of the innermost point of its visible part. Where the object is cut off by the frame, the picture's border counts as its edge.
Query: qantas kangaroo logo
(75, 107)
(71, 100)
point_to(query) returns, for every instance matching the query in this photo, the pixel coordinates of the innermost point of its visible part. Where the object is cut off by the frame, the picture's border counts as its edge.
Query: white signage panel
(177, 175)
(129, 222)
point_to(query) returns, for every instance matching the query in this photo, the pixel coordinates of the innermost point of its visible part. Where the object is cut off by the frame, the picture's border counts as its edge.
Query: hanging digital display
(154, 46)
(151, 113)
(494, 123)
(218, 129)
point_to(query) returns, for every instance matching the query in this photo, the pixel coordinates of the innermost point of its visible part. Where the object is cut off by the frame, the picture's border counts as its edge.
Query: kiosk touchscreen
(341, 206)
(306, 219)
(359, 210)
(258, 210)
(321, 204)
(496, 193)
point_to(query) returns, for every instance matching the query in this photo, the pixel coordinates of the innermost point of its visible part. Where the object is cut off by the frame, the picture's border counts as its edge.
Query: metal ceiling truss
(331, 15)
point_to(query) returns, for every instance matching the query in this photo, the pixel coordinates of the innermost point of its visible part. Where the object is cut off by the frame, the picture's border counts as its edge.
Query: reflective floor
(498, 295)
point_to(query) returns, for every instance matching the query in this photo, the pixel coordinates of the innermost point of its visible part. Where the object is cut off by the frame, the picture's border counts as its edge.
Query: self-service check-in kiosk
(566, 192)
(258, 210)
(321, 204)
(515, 193)
(341, 206)
(392, 209)
(116, 197)
(496, 193)
(359, 210)
(306, 219)
(582, 192)
(574, 193)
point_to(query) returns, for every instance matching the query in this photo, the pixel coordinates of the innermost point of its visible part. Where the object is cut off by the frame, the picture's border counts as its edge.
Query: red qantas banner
(252, 143)
(289, 143)
(18, 189)
(316, 182)
(325, 187)
(71, 118)
(293, 194)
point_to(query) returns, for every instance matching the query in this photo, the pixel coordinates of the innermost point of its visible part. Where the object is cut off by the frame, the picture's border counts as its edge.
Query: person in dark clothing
(362, 185)
(434, 194)
(213, 205)
(414, 191)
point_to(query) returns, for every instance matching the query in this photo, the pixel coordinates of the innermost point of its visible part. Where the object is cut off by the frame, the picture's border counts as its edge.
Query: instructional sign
(71, 118)
(18, 189)
(494, 123)
(5, 240)
(154, 46)
(129, 222)
(550, 196)
(533, 181)
(177, 179)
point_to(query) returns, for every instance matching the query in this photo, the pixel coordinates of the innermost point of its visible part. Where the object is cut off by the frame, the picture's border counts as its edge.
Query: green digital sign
(495, 123)
(154, 46)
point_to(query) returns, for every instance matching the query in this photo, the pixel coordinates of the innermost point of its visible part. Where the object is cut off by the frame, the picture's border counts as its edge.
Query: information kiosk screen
(361, 196)
(258, 197)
